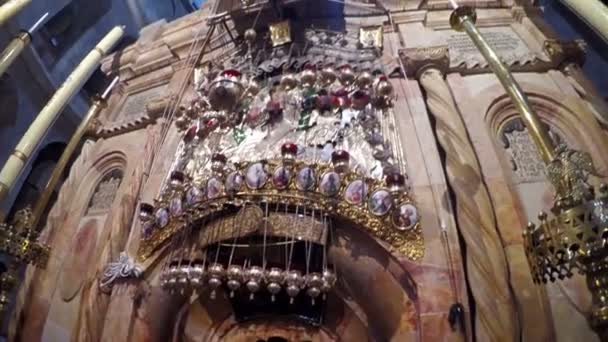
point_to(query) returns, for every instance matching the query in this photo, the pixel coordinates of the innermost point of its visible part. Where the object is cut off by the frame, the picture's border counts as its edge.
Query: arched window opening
(105, 192)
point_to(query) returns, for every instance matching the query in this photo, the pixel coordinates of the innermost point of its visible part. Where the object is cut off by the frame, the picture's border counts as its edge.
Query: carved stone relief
(104, 193)
(135, 104)
(509, 46)
(525, 160)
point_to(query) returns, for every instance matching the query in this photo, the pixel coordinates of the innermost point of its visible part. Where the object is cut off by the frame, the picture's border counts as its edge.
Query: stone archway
(375, 300)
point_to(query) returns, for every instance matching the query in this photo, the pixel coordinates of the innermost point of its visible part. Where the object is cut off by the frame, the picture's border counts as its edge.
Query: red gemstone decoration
(211, 123)
(218, 157)
(344, 66)
(340, 155)
(324, 102)
(289, 148)
(231, 73)
(360, 99)
(309, 67)
(382, 78)
(190, 133)
(274, 108)
(340, 92)
(395, 179)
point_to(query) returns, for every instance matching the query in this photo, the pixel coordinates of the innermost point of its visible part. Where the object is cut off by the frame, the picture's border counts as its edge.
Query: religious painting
(371, 37)
(380, 202)
(305, 180)
(280, 33)
(405, 216)
(330, 184)
(356, 192)
(256, 176)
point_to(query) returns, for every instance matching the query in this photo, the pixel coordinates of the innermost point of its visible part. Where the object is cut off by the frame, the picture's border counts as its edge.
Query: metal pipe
(99, 102)
(10, 8)
(37, 130)
(463, 18)
(17, 44)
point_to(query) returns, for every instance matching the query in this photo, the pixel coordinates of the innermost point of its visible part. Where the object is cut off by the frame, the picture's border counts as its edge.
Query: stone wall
(450, 113)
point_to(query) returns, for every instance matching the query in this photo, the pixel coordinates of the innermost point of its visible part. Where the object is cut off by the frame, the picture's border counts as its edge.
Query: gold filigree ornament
(371, 37)
(382, 208)
(568, 172)
(280, 33)
(19, 240)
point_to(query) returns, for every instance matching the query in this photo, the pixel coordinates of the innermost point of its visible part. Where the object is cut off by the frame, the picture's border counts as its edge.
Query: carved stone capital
(564, 52)
(416, 60)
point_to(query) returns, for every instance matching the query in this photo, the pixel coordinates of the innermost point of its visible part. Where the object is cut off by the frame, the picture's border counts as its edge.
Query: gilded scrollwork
(366, 213)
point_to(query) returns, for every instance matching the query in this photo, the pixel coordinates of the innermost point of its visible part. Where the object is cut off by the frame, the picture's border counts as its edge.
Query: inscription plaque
(135, 104)
(507, 44)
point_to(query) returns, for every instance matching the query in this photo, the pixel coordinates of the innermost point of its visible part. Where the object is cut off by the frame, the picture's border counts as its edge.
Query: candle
(53, 108)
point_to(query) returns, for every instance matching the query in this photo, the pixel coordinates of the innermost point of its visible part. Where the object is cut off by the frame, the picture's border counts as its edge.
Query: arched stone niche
(569, 299)
(83, 241)
(375, 300)
(568, 120)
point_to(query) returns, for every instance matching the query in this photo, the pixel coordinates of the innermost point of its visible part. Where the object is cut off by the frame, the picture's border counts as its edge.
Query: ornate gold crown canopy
(382, 208)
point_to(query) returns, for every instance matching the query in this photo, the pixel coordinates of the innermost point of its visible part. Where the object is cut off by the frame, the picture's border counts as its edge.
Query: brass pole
(463, 18)
(10, 8)
(17, 44)
(99, 102)
(580, 227)
(20, 156)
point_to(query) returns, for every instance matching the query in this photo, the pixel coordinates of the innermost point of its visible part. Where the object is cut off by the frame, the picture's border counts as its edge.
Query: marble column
(485, 259)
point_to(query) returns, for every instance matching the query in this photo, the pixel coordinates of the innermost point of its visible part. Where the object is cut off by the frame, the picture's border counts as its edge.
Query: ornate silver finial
(123, 268)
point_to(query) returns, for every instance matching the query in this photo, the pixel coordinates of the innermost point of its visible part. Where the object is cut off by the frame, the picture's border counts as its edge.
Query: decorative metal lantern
(294, 281)
(364, 80)
(340, 160)
(216, 274)
(346, 75)
(328, 76)
(225, 91)
(289, 81)
(308, 76)
(235, 277)
(329, 280)
(254, 278)
(274, 279)
(314, 281)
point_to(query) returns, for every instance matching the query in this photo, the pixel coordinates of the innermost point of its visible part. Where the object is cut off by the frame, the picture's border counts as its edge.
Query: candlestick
(10, 8)
(53, 108)
(463, 19)
(576, 237)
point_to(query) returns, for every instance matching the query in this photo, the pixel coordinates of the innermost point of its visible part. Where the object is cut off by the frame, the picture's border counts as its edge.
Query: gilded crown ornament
(270, 162)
